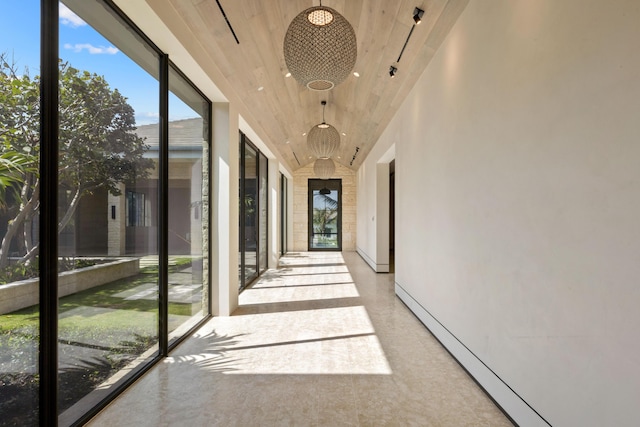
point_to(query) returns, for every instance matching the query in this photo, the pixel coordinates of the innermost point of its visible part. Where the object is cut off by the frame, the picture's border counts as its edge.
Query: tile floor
(322, 341)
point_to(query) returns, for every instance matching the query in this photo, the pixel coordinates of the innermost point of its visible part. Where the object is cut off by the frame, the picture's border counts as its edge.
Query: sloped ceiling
(282, 109)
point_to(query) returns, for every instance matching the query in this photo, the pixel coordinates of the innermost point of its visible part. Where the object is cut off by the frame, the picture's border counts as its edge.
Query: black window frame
(317, 184)
(244, 143)
(48, 265)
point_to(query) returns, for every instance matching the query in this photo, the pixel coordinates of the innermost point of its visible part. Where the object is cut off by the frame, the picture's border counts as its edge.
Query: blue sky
(84, 49)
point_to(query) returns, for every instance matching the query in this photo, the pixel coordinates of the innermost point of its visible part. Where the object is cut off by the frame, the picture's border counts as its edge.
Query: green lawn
(121, 313)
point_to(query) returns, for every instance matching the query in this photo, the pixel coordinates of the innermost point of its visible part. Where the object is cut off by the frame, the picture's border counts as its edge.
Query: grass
(99, 320)
(102, 297)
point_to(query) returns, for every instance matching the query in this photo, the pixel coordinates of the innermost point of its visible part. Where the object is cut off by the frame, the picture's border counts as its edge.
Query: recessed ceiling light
(357, 74)
(344, 134)
(288, 75)
(260, 88)
(304, 134)
(286, 142)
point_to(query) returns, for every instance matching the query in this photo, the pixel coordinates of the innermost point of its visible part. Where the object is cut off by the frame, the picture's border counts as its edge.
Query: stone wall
(300, 207)
(25, 293)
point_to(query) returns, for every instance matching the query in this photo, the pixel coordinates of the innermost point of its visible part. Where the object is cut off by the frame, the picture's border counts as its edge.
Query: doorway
(325, 214)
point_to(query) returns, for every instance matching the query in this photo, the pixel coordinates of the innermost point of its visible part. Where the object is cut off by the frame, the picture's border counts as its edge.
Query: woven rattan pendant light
(324, 168)
(323, 139)
(320, 48)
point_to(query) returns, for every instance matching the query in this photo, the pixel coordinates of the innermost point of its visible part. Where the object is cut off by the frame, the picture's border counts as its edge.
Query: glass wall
(253, 212)
(249, 220)
(107, 204)
(188, 204)
(124, 192)
(283, 214)
(19, 212)
(263, 204)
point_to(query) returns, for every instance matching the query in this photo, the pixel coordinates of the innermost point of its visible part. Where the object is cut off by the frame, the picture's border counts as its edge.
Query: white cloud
(147, 118)
(67, 17)
(94, 50)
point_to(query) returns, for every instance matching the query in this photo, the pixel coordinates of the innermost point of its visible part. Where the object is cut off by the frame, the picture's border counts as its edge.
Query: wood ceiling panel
(283, 110)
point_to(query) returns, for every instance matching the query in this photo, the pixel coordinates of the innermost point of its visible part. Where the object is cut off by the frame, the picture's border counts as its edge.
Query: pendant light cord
(324, 105)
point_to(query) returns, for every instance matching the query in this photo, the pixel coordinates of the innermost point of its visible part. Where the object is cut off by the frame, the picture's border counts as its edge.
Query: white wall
(373, 206)
(518, 205)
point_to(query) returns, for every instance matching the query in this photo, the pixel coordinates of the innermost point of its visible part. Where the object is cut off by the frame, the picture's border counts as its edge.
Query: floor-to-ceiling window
(188, 204)
(253, 212)
(19, 212)
(248, 213)
(123, 197)
(188, 220)
(263, 212)
(107, 204)
(283, 214)
(325, 214)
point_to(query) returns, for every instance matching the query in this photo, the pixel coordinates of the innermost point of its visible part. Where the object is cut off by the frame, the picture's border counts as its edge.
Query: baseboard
(378, 268)
(504, 396)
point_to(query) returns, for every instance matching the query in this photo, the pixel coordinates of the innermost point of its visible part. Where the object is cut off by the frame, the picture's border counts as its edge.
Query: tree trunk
(70, 210)
(14, 224)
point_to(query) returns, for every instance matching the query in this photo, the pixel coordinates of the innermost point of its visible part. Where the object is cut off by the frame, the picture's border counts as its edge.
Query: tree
(98, 147)
(323, 217)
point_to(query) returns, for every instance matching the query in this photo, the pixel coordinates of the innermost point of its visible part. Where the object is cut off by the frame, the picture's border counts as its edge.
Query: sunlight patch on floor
(310, 292)
(325, 341)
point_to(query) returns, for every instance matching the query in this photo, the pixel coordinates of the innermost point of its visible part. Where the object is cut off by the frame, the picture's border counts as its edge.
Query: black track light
(392, 71)
(417, 15)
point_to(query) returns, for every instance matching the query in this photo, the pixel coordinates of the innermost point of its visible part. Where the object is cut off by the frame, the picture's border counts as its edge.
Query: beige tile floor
(322, 341)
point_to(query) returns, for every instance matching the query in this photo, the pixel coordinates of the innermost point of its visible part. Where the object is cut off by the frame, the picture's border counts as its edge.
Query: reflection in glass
(19, 212)
(253, 207)
(324, 214)
(283, 214)
(250, 204)
(262, 229)
(325, 219)
(107, 208)
(188, 205)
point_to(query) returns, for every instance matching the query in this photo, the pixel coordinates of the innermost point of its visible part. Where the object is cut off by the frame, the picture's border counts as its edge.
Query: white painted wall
(518, 205)
(273, 217)
(225, 213)
(373, 199)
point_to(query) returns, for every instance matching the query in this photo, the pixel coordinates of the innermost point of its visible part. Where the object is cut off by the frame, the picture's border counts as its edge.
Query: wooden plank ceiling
(360, 107)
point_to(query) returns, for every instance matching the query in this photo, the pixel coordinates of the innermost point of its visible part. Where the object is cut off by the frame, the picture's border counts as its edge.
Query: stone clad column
(116, 227)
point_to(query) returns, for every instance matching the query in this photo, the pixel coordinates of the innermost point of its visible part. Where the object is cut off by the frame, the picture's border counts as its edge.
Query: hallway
(321, 341)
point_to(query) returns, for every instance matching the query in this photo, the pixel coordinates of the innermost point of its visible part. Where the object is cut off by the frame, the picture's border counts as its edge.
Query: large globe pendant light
(323, 139)
(320, 48)
(324, 168)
